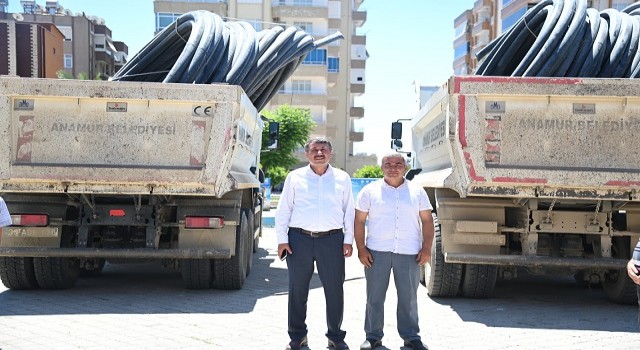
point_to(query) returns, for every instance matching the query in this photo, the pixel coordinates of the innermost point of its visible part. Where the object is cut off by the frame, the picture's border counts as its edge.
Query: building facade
(329, 78)
(87, 48)
(488, 19)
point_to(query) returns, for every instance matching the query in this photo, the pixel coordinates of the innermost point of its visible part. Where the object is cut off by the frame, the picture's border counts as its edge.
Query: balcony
(482, 5)
(356, 136)
(358, 64)
(357, 89)
(170, 6)
(300, 98)
(287, 9)
(311, 70)
(359, 40)
(481, 27)
(358, 18)
(356, 112)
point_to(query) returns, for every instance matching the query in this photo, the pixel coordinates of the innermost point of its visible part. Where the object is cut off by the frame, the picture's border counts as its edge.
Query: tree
(295, 127)
(368, 172)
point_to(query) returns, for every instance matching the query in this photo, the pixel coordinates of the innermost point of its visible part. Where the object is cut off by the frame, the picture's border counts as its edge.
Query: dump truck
(540, 174)
(99, 171)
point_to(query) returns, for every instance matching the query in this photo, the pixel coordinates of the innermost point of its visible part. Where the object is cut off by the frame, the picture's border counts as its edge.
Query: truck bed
(531, 137)
(126, 137)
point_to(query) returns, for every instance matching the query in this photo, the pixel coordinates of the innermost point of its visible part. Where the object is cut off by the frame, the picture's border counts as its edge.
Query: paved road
(144, 306)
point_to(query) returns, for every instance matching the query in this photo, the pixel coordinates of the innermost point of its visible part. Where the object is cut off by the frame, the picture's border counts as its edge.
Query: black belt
(316, 234)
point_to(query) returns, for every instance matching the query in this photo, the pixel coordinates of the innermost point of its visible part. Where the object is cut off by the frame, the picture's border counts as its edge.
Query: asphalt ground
(144, 306)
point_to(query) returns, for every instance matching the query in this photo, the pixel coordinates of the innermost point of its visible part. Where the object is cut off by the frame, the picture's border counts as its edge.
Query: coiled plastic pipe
(201, 48)
(564, 38)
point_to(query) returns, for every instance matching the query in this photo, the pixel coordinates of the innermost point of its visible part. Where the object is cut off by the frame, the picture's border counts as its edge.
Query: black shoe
(338, 345)
(370, 344)
(297, 344)
(415, 344)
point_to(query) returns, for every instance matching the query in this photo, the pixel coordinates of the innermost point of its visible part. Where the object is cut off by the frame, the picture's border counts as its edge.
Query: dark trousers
(327, 254)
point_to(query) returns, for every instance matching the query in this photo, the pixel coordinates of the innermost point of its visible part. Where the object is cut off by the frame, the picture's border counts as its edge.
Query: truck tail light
(30, 219)
(203, 222)
(117, 212)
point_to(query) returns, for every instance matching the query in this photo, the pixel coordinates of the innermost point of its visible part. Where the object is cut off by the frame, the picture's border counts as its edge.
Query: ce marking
(201, 111)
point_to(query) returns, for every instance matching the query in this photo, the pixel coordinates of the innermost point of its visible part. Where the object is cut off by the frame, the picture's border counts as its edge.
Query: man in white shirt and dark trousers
(314, 224)
(399, 238)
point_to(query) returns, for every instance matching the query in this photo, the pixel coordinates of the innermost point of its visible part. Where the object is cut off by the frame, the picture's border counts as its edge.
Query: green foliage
(277, 175)
(368, 172)
(295, 127)
(62, 74)
(82, 76)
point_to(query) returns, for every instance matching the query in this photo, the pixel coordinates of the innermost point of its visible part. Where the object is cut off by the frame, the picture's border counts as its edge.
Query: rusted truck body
(96, 171)
(537, 173)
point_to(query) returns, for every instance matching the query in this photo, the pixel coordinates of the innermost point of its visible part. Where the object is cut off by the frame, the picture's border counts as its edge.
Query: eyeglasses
(316, 150)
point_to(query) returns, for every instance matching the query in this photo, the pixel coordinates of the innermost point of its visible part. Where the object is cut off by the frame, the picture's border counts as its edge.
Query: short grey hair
(320, 140)
(392, 155)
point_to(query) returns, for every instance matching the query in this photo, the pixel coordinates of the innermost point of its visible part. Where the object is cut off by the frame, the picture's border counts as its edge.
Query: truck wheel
(478, 281)
(197, 273)
(441, 279)
(91, 267)
(17, 273)
(616, 284)
(56, 273)
(231, 273)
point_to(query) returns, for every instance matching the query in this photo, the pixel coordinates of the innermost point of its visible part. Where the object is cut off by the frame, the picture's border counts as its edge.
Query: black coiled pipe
(564, 38)
(201, 48)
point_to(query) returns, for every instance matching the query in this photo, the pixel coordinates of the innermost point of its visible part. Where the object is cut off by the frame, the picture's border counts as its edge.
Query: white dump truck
(96, 171)
(538, 173)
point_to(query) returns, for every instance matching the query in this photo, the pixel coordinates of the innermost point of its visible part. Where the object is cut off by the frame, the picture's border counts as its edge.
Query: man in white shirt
(399, 238)
(314, 224)
(5, 217)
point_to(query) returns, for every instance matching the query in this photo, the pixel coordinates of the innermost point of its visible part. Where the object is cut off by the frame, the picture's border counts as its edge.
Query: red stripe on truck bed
(622, 183)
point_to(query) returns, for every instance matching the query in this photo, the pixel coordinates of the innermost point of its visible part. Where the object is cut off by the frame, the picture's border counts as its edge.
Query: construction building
(328, 80)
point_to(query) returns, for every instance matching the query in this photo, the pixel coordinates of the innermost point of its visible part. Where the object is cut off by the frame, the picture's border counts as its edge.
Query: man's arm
(358, 234)
(283, 216)
(424, 255)
(632, 270)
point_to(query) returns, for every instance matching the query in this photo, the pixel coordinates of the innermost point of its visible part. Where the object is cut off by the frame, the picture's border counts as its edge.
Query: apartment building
(476, 27)
(86, 45)
(329, 78)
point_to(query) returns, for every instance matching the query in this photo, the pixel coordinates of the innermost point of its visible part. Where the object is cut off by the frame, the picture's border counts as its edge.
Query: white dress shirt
(5, 217)
(316, 203)
(394, 223)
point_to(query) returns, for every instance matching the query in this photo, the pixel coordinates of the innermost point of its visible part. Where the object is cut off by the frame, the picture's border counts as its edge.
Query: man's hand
(632, 271)
(347, 250)
(284, 246)
(365, 257)
(424, 255)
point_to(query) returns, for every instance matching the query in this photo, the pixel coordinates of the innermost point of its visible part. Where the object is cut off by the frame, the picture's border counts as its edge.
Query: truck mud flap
(536, 261)
(208, 253)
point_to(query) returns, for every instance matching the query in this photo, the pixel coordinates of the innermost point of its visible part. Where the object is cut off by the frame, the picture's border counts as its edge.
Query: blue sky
(407, 40)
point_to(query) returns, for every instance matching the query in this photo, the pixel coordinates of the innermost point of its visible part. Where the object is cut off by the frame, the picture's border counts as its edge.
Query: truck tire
(197, 273)
(17, 273)
(92, 267)
(618, 287)
(479, 281)
(231, 273)
(441, 279)
(56, 273)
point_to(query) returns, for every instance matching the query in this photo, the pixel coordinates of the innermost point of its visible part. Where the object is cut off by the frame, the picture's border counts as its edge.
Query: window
(68, 61)
(165, 19)
(461, 50)
(506, 3)
(333, 65)
(509, 21)
(306, 26)
(461, 29)
(301, 86)
(67, 32)
(317, 56)
(255, 23)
